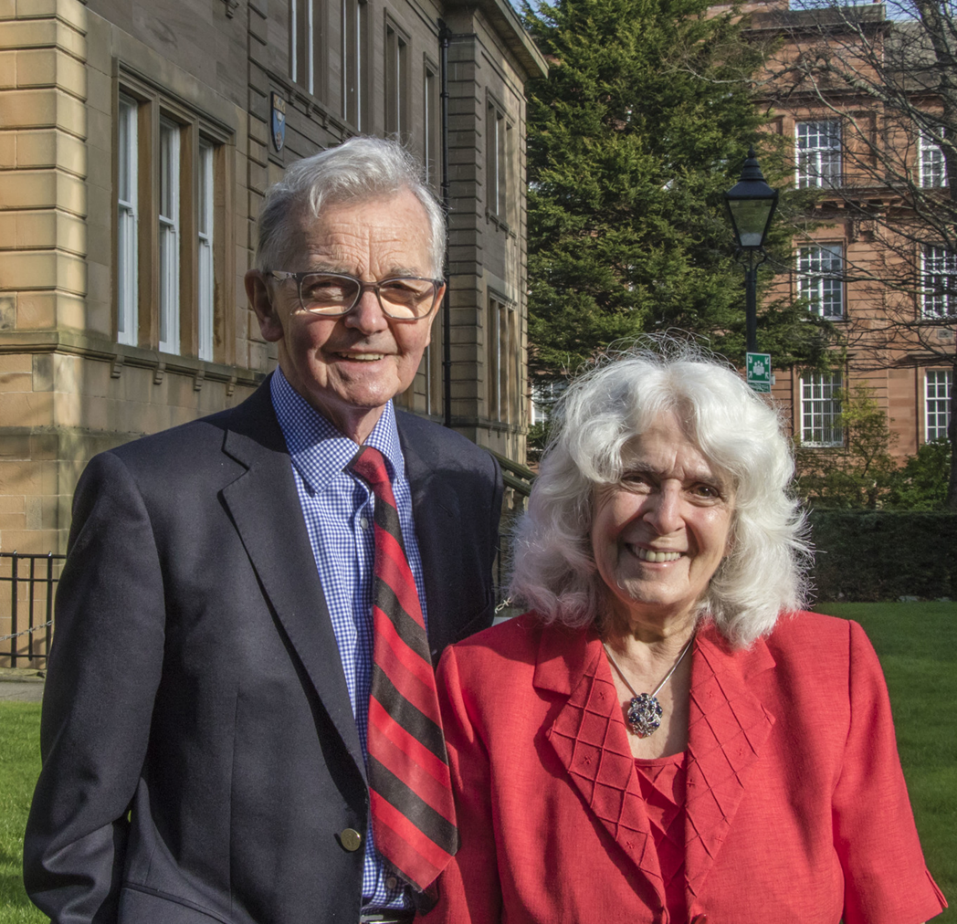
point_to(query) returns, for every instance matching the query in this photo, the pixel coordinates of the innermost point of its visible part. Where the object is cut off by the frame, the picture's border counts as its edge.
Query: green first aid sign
(759, 371)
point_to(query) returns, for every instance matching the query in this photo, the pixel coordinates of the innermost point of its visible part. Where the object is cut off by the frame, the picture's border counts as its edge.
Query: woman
(664, 738)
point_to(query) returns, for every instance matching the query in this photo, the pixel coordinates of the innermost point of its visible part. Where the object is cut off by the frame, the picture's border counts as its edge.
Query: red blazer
(796, 810)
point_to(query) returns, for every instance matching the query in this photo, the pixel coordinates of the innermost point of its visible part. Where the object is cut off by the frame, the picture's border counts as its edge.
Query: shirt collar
(317, 448)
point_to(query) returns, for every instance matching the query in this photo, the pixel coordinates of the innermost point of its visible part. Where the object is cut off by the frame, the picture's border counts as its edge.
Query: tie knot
(369, 464)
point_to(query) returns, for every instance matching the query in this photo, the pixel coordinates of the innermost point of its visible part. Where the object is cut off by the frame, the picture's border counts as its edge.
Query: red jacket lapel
(589, 738)
(727, 728)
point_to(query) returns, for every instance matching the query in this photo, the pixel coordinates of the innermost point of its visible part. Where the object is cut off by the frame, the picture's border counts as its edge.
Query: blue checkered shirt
(338, 509)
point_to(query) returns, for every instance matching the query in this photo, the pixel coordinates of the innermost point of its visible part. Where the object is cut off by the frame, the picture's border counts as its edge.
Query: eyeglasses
(402, 298)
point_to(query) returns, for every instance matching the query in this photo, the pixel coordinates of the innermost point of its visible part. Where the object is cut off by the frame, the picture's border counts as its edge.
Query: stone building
(842, 142)
(136, 140)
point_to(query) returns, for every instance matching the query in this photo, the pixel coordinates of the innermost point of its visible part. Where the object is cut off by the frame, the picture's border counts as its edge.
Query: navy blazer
(200, 756)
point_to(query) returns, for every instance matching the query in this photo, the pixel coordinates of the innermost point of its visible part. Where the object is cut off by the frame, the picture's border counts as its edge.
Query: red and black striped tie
(413, 814)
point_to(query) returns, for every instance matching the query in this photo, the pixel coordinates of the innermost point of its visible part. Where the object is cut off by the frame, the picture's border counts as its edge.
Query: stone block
(8, 150)
(71, 12)
(43, 270)
(8, 70)
(43, 446)
(28, 108)
(21, 477)
(30, 541)
(8, 9)
(27, 34)
(11, 363)
(15, 447)
(36, 311)
(13, 521)
(8, 312)
(12, 503)
(13, 382)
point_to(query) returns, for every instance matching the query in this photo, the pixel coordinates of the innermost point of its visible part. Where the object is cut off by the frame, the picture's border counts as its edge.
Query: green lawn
(19, 766)
(917, 644)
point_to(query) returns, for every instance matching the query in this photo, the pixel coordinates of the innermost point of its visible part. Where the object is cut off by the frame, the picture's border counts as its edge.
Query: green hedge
(868, 555)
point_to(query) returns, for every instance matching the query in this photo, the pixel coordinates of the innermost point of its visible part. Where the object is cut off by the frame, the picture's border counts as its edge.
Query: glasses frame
(283, 275)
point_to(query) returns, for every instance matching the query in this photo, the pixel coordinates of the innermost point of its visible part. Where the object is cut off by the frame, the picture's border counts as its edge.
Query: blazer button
(350, 839)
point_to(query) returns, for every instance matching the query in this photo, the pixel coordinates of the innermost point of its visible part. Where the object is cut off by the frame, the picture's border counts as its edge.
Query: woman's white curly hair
(742, 438)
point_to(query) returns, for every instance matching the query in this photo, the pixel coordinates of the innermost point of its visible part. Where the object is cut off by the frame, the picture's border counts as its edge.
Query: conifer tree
(641, 125)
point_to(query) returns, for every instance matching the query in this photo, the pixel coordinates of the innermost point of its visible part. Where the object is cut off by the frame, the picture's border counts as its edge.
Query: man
(206, 725)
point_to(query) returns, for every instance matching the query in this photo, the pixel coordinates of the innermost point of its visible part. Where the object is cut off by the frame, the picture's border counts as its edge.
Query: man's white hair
(359, 170)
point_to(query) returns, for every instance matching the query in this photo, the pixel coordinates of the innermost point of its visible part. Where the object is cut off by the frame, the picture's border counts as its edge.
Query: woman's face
(659, 535)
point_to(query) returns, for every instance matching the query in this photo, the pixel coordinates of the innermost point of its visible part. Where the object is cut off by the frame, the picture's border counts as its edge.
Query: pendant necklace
(644, 710)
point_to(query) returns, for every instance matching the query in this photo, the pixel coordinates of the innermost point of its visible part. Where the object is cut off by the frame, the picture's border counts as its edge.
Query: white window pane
(127, 228)
(818, 153)
(169, 236)
(939, 282)
(205, 251)
(933, 170)
(821, 409)
(820, 279)
(937, 404)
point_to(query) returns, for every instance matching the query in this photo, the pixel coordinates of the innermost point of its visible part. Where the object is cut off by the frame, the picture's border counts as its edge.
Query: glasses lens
(407, 298)
(327, 293)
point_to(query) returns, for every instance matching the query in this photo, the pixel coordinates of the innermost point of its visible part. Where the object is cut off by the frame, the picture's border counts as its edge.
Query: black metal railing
(26, 607)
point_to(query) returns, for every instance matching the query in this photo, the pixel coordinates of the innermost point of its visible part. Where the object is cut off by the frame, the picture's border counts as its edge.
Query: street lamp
(751, 203)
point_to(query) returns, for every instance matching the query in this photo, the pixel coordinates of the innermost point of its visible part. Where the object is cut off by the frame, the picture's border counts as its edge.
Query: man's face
(349, 367)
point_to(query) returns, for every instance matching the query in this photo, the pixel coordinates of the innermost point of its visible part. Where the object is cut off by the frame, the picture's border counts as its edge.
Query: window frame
(398, 59)
(169, 233)
(498, 144)
(306, 42)
(196, 127)
(127, 219)
(205, 244)
(814, 408)
(813, 168)
(355, 54)
(945, 295)
(932, 168)
(813, 281)
(937, 405)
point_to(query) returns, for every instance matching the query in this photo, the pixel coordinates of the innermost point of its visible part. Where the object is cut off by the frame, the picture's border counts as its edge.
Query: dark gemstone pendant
(644, 715)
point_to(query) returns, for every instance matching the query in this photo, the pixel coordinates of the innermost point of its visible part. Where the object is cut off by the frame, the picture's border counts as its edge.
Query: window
(818, 153)
(305, 42)
(396, 83)
(355, 37)
(432, 128)
(821, 409)
(168, 214)
(204, 233)
(933, 170)
(127, 240)
(497, 160)
(503, 359)
(819, 279)
(172, 226)
(937, 386)
(939, 282)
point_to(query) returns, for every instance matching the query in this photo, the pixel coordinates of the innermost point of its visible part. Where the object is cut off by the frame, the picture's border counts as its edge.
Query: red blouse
(662, 783)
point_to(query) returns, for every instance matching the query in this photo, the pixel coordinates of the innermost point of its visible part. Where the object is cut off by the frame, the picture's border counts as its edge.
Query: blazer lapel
(590, 739)
(264, 505)
(727, 728)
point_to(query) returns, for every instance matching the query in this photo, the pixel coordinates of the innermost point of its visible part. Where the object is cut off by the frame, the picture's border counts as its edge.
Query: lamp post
(751, 203)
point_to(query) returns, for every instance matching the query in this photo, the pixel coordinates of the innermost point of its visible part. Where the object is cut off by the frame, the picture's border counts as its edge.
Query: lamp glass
(750, 218)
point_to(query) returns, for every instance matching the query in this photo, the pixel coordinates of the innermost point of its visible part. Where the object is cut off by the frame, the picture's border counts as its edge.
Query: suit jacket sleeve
(874, 830)
(104, 670)
(469, 889)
